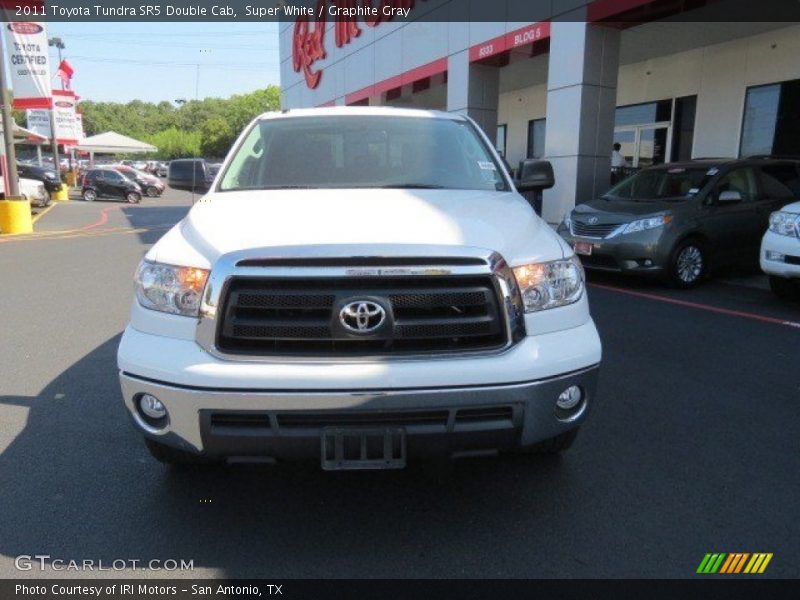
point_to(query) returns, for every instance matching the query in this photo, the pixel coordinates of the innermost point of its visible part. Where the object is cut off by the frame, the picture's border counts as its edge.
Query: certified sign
(29, 63)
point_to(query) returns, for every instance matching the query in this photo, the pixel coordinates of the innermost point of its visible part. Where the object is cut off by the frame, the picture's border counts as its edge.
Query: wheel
(172, 456)
(151, 191)
(688, 264)
(89, 195)
(133, 197)
(783, 288)
(48, 199)
(553, 445)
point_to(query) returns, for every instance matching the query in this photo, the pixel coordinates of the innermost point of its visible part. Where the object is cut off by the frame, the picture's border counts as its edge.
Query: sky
(157, 61)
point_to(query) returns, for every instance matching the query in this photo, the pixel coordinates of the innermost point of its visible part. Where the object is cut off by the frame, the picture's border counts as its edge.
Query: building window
(643, 114)
(771, 121)
(500, 140)
(536, 132)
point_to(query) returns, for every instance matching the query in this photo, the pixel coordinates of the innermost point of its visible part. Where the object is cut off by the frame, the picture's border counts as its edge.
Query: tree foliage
(195, 128)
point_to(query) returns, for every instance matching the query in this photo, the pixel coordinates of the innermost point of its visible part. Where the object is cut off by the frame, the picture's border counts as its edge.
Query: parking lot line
(44, 212)
(699, 305)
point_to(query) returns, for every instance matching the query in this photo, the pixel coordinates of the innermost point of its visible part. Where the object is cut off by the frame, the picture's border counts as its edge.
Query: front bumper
(287, 425)
(513, 393)
(783, 244)
(644, 252)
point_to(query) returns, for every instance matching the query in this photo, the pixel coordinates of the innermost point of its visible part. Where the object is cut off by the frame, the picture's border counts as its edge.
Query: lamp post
(12, 191)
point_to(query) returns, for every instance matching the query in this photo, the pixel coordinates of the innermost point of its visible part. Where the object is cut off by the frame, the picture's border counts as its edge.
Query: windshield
(362, 152)
(658, 184)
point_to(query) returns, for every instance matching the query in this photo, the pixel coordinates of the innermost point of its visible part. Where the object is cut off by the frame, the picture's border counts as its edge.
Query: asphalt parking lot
(693, 445)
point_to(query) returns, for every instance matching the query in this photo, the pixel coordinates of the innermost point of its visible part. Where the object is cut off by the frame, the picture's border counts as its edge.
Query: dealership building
(665, 82)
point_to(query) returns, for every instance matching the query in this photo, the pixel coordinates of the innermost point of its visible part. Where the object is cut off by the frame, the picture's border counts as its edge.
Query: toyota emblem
(362, 316)
(593, 220)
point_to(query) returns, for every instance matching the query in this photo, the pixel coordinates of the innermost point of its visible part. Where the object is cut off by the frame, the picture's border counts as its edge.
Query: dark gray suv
(680, 219)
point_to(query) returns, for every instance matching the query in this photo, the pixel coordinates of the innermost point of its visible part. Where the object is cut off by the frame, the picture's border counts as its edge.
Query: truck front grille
(265, 316)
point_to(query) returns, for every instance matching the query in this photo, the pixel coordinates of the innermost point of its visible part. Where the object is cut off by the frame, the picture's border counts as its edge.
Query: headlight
(642, 225)
(785, 223)
(170, 289)
(51, 175)
(550, 284)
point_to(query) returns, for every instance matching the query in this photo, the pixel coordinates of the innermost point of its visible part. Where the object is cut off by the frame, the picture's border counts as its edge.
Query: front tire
(133, 198)
(785, 289)
(89, 195)
(172, 456)
(152, 191)
(688, 265)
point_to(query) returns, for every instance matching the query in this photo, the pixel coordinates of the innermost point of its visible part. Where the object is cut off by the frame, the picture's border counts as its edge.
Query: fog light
(152, 407)
(776, 256)
(569, 398)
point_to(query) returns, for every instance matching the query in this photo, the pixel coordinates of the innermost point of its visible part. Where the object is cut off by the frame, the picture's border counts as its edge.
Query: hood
(225, 222)
(621, 211)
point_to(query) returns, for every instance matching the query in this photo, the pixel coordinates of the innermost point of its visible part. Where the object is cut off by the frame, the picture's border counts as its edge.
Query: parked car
(151, 185)
(780, 251)
(35, 191)
(49, 177)
(189, 174)
(680, 220)
(109, 183)
(162, 169)
(397, 300)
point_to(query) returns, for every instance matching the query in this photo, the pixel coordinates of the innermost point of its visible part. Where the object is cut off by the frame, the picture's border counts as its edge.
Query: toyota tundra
(360, 286)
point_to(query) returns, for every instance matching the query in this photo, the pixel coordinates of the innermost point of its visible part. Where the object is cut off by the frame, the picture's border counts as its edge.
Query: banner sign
(39, 121)
(29, 61)
(64, 110)
(69, 125)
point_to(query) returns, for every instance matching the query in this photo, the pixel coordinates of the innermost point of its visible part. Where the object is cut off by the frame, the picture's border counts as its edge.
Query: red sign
(308, 40)
(308, 45)
(25, 28)
(513, 39)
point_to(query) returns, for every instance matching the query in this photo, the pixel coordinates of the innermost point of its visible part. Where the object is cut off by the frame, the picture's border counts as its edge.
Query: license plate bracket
(584, 248)
(349, 448)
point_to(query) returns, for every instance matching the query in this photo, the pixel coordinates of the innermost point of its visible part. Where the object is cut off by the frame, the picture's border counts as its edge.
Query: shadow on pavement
(155, 220)
(77, 483)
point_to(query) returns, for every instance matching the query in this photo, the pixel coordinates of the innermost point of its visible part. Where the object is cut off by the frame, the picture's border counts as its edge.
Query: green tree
(216, 137)
(198, 127)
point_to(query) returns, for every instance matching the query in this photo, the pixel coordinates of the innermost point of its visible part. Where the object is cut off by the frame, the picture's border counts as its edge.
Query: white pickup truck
(360, 286)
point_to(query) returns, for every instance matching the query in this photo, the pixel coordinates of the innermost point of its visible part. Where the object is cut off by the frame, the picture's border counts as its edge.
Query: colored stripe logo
(734, 563)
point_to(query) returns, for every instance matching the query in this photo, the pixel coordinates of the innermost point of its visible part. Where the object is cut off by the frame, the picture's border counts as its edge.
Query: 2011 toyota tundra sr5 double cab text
(359, 286)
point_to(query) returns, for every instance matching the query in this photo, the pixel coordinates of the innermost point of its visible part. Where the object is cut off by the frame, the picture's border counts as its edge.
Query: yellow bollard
(72, 177)
(15, 216)
(61, 195)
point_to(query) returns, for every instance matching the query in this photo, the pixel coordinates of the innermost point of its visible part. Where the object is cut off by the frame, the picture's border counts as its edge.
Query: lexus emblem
(593, 220)
(362, 316)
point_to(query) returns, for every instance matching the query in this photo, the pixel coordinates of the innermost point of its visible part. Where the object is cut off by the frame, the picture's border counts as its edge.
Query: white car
(32, 190)
(780, 251)
(359, 286)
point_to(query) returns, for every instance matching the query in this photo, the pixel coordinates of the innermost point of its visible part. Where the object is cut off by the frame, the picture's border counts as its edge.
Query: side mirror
(729, 197)
(535, 174)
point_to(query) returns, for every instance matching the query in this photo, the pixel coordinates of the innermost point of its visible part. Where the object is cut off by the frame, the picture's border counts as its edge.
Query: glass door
(644, 145)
